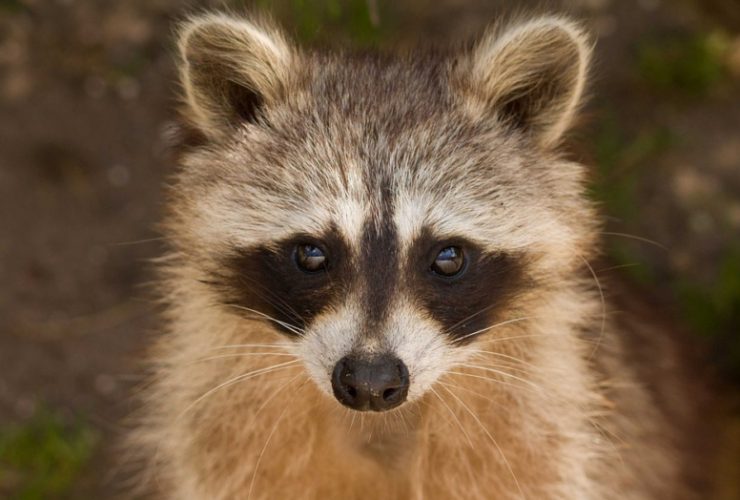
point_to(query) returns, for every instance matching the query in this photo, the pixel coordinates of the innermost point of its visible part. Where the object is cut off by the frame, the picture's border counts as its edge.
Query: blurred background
(87, 97)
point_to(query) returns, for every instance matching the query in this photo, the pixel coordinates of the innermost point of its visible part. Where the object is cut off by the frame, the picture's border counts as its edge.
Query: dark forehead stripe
(379, 267)
(267, 279)
(475, 300)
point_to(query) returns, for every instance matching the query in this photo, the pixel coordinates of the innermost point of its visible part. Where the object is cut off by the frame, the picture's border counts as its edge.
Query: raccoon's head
(382, 211)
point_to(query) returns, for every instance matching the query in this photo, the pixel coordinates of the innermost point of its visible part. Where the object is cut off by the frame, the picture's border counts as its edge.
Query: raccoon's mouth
(376, 383)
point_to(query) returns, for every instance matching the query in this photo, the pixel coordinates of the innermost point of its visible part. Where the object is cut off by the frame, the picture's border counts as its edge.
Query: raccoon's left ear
(230, 70)
(530, 76)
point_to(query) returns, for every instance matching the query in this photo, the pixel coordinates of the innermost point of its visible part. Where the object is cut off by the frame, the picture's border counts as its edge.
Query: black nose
(378, 384)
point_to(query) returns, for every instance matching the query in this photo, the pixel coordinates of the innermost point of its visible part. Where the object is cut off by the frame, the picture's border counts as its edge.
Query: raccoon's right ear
(230, 69)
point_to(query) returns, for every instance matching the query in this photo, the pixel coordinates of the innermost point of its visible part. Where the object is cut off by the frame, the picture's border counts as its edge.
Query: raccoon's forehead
(319, 188)
(366, 142)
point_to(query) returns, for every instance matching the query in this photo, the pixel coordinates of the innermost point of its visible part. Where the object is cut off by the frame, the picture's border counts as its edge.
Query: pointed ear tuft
(230, 68)
(529, 75)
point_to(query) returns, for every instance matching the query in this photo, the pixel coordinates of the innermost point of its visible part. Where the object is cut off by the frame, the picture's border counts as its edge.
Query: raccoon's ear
(230, 68)
(530, 76)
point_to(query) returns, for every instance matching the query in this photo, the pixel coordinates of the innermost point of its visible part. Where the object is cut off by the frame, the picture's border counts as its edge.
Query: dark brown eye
(310, 258)
(449, 262)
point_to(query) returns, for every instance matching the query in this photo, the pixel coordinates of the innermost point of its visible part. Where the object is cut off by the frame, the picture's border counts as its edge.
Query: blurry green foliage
(11, 6)
(42, 458)
(322, 20)
(623, 160)
(690, 64)
(620, 163)
(713, 309)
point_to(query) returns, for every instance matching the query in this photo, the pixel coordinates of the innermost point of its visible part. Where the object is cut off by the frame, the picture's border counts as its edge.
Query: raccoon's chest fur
(379, 283)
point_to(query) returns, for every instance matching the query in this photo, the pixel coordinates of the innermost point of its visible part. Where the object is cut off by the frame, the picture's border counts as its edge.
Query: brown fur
(554, 408)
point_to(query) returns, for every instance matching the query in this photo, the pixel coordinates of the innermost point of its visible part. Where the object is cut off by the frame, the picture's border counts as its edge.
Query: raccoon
(379, 282)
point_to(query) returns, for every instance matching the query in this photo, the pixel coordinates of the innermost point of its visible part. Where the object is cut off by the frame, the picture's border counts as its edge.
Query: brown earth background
(87, 97)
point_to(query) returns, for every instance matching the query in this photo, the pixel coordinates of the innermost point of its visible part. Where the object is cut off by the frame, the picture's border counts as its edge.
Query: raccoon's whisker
(406, 425)
(502, 323)
(293, 328)
(481, 354)
(509, 362)
(240, 346)
(454, 415)
(239, 378)
(500, 355)
(529, 335)
(468, 318)
(637, 238)
(474, 393)
(501, 339)
(272, 432)
(490, 436)
(538, 393)
(352, 422)
(503, 365)
(245, 354)
(495, 381)
(289, 326)
(276, 393)
(505, 374)
(286, 325)
(282, 304)
(603, 308)
(613, 268)
(136, 242)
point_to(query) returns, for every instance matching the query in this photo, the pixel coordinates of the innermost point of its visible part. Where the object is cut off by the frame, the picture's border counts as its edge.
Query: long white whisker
(494, 380)
(262, 451)
(501, 339)
(244, 376)
(352, 421)
(468, 318)
(502, 355)
(293, 328)
(501, 452)
(280, 304)
(276, 393)
(515, 320)
(499, 372)
(502, 365)
(245, 354)
(637, 238)
(454, 415)
(239, 346)
(477, 394)
(603, 308)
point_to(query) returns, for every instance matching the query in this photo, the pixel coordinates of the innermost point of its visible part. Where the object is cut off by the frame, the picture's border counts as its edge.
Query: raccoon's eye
(310, 258)
(450, 261)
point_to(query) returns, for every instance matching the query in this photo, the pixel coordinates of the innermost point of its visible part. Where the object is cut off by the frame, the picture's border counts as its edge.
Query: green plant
(41, 458)
(689, 64)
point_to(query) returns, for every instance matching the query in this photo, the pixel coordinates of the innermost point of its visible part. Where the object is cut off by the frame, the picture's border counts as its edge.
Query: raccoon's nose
(378, 384)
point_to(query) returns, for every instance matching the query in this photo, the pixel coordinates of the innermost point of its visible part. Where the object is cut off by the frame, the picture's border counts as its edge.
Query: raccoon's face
(382, 212)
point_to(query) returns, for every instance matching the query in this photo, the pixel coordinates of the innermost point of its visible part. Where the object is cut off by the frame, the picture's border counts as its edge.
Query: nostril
(351, 391)
(389, 394)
